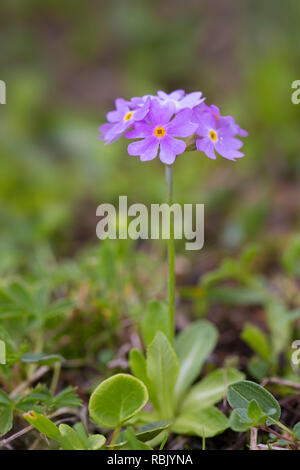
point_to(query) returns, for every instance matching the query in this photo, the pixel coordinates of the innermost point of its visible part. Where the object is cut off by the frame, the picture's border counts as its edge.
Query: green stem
(282, 426)
(114, 437)
(39, 344)
(55, 377)
(171, 258)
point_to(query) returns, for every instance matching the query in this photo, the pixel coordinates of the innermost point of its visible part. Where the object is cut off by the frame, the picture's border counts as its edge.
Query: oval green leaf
(207, 422)
(116, 400)
(155, 319)
(151, 430)
(162, 371)
(42, 424)
(211, 389)
(240, 395)
(193, 346)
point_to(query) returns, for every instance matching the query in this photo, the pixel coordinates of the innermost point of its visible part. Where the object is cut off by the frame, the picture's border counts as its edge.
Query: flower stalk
(171, 257)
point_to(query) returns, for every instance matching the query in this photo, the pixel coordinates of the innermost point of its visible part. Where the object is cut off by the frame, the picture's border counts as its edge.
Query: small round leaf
(117, 399)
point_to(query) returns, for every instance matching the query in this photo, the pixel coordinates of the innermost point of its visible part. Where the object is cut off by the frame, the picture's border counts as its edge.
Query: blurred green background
(64, 63)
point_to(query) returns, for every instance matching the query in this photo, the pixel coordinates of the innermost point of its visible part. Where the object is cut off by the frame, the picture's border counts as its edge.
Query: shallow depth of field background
(64, 63)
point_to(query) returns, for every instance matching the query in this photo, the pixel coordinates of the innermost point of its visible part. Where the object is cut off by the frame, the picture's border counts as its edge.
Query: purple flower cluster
(161, 121)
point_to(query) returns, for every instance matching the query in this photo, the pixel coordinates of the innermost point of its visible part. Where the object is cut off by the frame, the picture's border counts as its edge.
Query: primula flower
(122, 118)
(138, 101)
(216, 136)
(158, 120)
(107, 133)
(180, 100)
(158, 133)
(227, 120)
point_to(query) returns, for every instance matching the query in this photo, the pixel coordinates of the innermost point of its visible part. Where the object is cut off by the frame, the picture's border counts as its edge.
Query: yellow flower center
(128, 116)
(213, 136)
(159, 131)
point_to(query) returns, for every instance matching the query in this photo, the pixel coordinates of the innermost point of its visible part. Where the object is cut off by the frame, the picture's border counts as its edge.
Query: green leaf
(291, 256)
(133, 443)
(254, 412)
(117, 399)
(240, 394)
(144, 433)
(235, 295)
(279, 326)
(69, 439)
(162, 371)
(205, 422)
(42, 424)
(257, 340)
(20, 295)
(96, 441)
(81, 431)
(6, 419)
(138, 366)
(46, 359)
(4, 399)
(151, 430)
(211, 389)
(238, 424)
(193, 346)
(258, 368)
(296, 430)
(155, 319)
(67, 397)
(137, 363)
(293, 315)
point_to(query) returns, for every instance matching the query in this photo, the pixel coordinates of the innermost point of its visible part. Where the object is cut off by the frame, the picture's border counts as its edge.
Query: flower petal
(122, 105)
(160, 113)
(109, 133)
(190, 100)
(151, 151)
(105, 129)
(146, 148)
(229, 142)
(170, 148)
(174, 96)
(205, 121)
(181, 125)
(206, 146)
(142, 111)
(228, 151)
(241, 132)
(115, 116)
(140, 129)
(122, 126)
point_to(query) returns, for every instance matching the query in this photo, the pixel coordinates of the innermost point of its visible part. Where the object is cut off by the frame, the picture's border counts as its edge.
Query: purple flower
(107, 133)
(180, 100)
(216, 135)
(138, 101)
(227, 120)
(158, 133)
(158, 120)
(122, 118)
